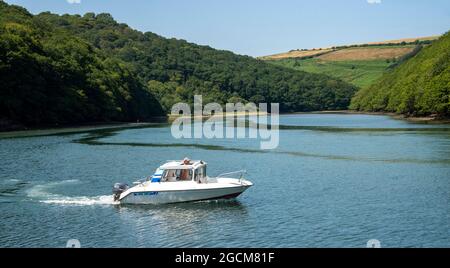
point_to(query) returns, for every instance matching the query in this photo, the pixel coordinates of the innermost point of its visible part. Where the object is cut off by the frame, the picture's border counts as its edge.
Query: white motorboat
(182, 181)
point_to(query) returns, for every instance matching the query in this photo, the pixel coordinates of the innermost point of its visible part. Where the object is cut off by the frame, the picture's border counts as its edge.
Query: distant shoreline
(81, 128)
(44, 130)
(224, 114)
(415, 119)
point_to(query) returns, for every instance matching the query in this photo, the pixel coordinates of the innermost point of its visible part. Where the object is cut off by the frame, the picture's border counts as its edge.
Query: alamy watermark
(257, 123)
(73, 243)
(373, 243)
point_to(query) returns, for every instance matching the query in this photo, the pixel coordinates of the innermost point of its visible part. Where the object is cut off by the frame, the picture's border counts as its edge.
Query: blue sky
(263, 27)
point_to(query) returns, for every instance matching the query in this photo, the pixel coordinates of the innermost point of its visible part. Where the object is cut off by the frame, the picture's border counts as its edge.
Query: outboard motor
(118, 189)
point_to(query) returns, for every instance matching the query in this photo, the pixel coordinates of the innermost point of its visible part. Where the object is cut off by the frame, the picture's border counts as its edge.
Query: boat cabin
(180, 170)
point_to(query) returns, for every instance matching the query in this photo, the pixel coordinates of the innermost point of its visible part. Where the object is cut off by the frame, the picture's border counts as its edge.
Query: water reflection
(174, 225)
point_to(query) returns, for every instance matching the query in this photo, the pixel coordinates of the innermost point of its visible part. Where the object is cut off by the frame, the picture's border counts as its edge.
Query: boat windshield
(172, 175)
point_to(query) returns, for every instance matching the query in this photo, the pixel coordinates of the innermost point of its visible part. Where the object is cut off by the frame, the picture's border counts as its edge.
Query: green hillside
(418, 86)
(360, 73)
(71, 68)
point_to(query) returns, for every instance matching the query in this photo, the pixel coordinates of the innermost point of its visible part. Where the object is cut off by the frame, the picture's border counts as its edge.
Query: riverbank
(22, 131)
(172, 117)
(70, 130)
(432, 119)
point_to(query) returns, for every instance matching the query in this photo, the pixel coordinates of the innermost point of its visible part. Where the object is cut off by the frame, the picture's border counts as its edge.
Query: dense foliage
(418, 86)
(51, 77)
(176, 70)
(71, 68)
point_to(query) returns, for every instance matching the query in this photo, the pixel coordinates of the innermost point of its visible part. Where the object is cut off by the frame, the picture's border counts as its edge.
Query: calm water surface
(334, 181)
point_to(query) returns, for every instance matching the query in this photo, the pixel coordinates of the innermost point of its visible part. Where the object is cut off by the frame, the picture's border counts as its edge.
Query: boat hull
(181, 196)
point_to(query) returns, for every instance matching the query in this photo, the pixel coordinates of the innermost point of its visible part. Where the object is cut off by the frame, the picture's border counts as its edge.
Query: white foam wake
(41, 194)
(82, 200)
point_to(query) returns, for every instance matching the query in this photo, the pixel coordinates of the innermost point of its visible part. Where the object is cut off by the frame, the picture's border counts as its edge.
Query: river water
(334, 181)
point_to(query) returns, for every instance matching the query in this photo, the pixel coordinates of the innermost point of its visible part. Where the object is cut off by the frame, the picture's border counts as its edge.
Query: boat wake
(41, 193)
(82, 200)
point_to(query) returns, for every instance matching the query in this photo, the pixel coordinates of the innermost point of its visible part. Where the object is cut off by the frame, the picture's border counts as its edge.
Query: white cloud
(374, 2)
(74, 1)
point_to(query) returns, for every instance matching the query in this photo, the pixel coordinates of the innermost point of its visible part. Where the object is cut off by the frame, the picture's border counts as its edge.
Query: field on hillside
(298, 54)
(367, 53)
(350, 52)
(361, 73)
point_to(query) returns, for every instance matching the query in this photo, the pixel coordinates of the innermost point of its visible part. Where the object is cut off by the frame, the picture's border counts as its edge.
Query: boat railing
(235, 175)
(141, 180)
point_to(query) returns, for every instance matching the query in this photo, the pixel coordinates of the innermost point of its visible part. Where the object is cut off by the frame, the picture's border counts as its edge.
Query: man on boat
(185, 172)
